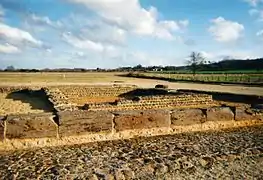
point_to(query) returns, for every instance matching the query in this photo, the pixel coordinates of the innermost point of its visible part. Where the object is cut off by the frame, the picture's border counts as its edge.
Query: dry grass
(91, 77)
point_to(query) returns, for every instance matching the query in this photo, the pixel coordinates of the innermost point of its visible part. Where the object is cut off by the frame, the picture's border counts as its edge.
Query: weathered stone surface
(220, 114)
(242, 115)
(187, 117)
(142, 119)
(2, 129)
(30, 126)
(81, 122)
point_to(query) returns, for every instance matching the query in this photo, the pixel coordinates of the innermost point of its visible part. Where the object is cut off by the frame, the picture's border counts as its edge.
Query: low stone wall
(80, 122)
(59, 100)
(141, 120)
(130, 116)
(155, 102)
(30, 126)
(64, 97)
(73, 127)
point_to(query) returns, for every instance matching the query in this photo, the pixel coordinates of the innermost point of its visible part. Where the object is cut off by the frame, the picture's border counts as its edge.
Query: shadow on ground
(229, 97)
(36, 98)
(146, 92)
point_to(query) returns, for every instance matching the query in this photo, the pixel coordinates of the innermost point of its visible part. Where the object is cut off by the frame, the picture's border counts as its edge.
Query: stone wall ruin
(131, 112)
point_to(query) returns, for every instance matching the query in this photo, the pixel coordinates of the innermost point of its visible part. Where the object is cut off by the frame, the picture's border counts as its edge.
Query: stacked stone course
(154, 102)
(59, 100)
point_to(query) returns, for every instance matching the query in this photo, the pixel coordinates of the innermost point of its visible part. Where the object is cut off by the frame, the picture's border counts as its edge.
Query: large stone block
(142, 119)
(242, 115)
(187, 117)
(2, 127)
(82, 122)
(30, 126)
(220, 114)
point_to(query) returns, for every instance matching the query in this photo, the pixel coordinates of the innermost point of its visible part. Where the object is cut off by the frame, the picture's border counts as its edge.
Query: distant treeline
(224, 65)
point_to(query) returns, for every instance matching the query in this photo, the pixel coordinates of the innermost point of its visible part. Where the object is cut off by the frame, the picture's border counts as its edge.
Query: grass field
(211, 72)
(223, 78)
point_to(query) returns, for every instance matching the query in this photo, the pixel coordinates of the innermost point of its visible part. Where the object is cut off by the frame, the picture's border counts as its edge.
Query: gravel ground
(231, 154)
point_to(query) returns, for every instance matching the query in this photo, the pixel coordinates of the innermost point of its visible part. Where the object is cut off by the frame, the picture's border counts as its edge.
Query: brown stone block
(142, 119)
(2, 128)
(220, 114)
(242, 114)
(81, 122)
(187, 117)
(30, 126)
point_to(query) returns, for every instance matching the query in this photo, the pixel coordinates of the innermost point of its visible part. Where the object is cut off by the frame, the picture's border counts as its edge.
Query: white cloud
(102, 32)
(135, 19)
(44, 20)
(132, 58)
(253, 12)
(254, 3)
(226, 31)
(260, 34)
(9, 49)
(87, 44)
(256, 12)
(15, 35)
(229, 54)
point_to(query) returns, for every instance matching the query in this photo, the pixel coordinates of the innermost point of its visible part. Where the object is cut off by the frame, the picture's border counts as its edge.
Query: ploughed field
(230, 154)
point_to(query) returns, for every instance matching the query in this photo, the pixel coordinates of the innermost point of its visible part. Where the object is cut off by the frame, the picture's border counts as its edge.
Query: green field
(210, 72)
(221, 78)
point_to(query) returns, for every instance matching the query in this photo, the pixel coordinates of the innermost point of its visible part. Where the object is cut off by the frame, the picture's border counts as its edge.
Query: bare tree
(195, 59)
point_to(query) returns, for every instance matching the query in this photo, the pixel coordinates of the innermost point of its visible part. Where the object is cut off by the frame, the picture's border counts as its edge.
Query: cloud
(87, 44)
(229, 54)
(15, 35)
(253, 12)
(44, 20)
(133, 58)
(261, 15)
(260, 34)
(256, 12)
(134, 19)
(102, 32)
(8, 49)
(254, 3)
(226, 31)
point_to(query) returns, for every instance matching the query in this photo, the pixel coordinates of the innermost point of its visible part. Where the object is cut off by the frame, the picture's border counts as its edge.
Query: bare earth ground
(235, 154)
(110, 78)
(20, 104)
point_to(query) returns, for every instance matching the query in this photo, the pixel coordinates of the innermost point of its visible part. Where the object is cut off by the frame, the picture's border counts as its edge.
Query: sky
(116, 33)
